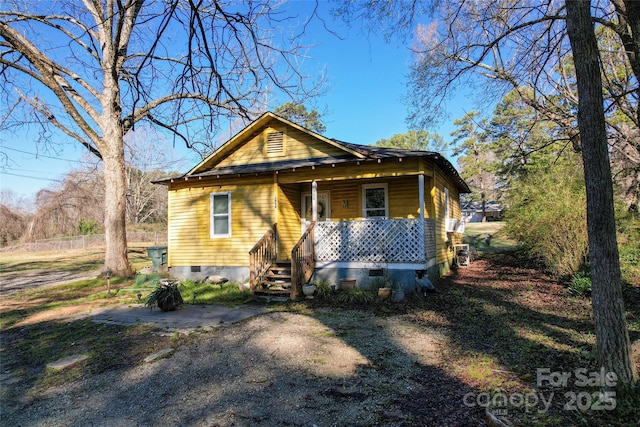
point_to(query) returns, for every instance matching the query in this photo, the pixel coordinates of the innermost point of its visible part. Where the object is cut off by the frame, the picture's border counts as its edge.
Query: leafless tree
(94, 69)
(147, 163)
(61, 209)
(14, 216)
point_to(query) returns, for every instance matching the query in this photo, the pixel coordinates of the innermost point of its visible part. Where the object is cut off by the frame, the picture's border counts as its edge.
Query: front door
(324, 208)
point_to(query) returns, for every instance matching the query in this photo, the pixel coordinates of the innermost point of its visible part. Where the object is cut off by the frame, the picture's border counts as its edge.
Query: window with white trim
(220, 208)
(375, 201)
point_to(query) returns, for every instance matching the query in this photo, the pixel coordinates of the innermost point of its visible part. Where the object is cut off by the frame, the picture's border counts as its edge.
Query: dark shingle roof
(370, 153)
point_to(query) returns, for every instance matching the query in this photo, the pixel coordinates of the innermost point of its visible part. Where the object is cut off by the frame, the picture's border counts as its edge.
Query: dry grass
(70, 260)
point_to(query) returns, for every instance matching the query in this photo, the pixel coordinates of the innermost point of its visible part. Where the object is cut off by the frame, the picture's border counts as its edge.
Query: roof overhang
(292, 165)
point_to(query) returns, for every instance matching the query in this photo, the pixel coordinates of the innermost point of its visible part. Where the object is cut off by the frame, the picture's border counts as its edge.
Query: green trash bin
(158, 255)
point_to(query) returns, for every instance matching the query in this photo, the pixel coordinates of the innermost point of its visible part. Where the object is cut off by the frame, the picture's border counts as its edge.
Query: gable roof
(231, 145)
(352, 153)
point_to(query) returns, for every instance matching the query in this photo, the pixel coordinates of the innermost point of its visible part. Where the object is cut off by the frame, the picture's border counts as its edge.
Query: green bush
(547, 217)
(324, 290)
(87, 226)
(356, 296)
(628, 225)
(630, 263)
(166, 296)
(581, 284)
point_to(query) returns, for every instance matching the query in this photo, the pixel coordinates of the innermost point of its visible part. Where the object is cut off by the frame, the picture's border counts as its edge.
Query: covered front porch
(333, 250)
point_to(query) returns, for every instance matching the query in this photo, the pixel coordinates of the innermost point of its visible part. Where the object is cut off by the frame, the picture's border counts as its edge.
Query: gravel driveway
(329, 368)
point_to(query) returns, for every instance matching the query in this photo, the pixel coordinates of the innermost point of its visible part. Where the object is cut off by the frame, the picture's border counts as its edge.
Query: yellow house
(280, 205)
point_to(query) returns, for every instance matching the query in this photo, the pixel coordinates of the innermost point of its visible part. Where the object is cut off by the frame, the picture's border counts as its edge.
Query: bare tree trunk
(612, 337)
(115, 184)
(116, 258)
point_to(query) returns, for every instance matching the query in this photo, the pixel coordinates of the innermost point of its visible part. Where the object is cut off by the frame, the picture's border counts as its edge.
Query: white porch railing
(410, 240)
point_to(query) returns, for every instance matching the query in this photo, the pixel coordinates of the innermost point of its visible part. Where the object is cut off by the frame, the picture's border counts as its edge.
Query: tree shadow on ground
(502, 312)
(493, 324)
(276, 369)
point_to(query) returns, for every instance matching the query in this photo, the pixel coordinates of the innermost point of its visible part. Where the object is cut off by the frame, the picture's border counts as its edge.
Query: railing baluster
(262, 256)
(303, 260)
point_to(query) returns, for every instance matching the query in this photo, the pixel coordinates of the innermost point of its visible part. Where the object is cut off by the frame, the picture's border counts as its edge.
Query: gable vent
(275, 144)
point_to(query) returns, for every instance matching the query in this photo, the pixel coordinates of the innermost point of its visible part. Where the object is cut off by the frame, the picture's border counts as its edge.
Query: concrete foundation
(234, 274)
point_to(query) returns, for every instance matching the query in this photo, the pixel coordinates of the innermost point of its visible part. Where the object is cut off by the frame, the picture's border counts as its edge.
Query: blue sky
(367, 80)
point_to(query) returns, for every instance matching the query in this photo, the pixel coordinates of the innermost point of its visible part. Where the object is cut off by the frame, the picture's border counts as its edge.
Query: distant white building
(472, 211)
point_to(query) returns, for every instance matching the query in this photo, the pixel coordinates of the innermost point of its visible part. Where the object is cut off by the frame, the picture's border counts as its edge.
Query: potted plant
(308, 290)
(348, 284)
(166, 296)
(384, 290)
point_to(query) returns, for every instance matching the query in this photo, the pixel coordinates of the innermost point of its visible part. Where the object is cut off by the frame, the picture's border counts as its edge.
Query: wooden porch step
(282, 283)
(277, 282)
(281, 266)
(272, 292)
(286, 277)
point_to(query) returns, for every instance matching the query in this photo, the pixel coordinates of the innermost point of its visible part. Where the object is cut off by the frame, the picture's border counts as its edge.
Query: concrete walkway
(185, 319)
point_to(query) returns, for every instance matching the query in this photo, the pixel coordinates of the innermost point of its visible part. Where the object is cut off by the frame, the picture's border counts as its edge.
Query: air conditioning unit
(455, 225)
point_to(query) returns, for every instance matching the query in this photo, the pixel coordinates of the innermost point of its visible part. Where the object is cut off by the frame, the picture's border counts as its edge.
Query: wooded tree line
(76, 206)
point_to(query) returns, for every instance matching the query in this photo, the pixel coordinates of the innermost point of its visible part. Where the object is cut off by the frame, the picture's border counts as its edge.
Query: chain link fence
(134, 238)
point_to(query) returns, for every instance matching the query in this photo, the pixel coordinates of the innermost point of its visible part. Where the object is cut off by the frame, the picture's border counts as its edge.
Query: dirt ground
(350, 368)
(328, 367)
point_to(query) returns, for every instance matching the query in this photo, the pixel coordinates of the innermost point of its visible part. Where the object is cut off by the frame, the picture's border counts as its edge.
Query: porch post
(314, 201)
(421, 194)
(422, 224)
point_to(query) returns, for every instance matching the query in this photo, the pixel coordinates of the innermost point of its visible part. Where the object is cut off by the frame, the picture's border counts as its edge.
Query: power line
(31, 177)
(43, 155)
(163, 165)
(11, 169)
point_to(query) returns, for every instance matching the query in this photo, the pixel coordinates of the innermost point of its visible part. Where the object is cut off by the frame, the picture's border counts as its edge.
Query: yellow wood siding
(444, 240)
(344, 199)
(289, 224)
(404, 198)
(297, 145)
(190, 243)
